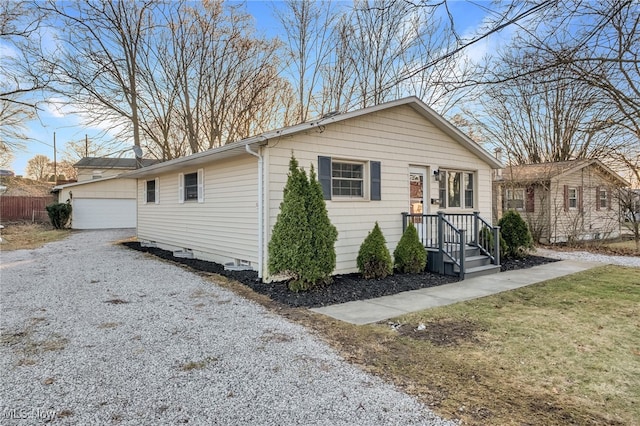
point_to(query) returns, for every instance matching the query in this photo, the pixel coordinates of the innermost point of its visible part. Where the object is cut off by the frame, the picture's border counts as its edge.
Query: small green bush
(374, 259)
(486, 240)
(410, 256)
(59, 214)
(516, 235)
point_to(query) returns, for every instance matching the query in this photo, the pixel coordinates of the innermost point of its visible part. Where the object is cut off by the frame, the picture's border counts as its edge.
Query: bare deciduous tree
(307, 25)
(39, 168)
(590, 48)
(97, 61)
(546, 117)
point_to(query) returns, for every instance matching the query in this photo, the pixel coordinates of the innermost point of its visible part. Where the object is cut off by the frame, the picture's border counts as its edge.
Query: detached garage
(101, 203)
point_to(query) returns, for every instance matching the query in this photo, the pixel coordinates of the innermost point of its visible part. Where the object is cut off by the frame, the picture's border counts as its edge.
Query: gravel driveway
(585, 256)
(93, 333)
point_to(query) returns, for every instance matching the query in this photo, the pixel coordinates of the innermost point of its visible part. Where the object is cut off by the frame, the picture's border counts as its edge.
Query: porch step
(478, 271)
(477, 260)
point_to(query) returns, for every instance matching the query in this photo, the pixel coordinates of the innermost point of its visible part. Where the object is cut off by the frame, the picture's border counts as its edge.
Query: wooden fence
(21, 208)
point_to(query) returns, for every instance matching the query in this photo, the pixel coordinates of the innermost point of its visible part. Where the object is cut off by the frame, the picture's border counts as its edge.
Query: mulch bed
(345, 288)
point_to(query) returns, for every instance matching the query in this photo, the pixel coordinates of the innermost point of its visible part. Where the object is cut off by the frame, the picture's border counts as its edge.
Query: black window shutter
(324, 176)
(375, 180)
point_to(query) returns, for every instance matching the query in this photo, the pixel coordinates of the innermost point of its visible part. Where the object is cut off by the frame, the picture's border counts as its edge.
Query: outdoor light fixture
(436, 175)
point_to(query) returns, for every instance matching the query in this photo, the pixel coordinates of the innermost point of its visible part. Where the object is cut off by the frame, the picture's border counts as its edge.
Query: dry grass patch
(623, 247)
(565, 351)
(30, 236)
(562, 352)
(198, 365)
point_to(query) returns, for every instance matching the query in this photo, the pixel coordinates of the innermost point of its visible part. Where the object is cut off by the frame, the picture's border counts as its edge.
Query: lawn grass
(628, 245)
(566, 351)
(29, 236)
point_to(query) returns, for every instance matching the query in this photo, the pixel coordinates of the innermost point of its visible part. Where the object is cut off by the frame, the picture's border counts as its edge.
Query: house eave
(86, 182)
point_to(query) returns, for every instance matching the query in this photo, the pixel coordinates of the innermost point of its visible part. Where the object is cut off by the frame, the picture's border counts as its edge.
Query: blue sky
(67, 127)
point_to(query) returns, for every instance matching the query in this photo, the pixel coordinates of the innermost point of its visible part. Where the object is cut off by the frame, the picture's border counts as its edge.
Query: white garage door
(103, 213)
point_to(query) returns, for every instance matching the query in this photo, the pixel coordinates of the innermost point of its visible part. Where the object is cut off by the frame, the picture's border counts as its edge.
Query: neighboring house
(90, 168)
(562, 201)
(373, 164)
(100, 199)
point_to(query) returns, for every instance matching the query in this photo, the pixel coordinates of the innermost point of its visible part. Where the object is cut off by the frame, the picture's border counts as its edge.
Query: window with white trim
(343, 179)
(347, 179)
(572, 198)
(603, 199)
(456, 189)
(152, 191)
(191, 186)
(515, 199)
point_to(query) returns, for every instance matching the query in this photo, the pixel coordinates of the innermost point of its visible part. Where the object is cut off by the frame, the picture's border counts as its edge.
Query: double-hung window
(456, 189)
(347, 179)
(603, 200)
(152, 191)
(572, 198)
(343, 179)
(515, 199)
(191, 186)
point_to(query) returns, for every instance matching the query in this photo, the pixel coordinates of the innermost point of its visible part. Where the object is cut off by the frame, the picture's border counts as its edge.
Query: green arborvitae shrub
(374, 259)
(410, 256)
(486, 240)
(323, 234)
(303, 238)
(516, 234)
(290, 244)
(59, 214)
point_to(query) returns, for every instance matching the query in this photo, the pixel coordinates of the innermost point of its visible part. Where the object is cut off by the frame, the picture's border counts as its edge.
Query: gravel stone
(95, 333)
(585, 256)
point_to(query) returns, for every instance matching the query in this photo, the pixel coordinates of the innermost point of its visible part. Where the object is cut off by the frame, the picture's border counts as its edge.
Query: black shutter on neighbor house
(324, 176)
(530, 202)
(375, 180)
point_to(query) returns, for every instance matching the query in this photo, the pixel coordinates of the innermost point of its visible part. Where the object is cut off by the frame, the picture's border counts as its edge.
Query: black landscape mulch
(345, 288)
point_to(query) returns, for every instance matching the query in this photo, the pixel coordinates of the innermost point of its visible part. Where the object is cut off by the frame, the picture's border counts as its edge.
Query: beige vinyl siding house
(102, 203)
(100, 200)
(364, 159)
(563, 201)
(222, 226)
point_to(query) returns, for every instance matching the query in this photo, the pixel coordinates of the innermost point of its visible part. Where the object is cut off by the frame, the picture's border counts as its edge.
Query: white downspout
(260, 208)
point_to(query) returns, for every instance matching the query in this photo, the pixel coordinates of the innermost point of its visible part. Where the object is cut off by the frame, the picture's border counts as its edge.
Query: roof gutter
(247, 148)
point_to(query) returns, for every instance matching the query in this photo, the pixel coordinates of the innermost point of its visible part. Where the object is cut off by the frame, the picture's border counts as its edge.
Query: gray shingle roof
(112, 163)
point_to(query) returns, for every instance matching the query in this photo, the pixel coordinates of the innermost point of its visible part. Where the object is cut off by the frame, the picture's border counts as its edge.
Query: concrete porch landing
(382, 308)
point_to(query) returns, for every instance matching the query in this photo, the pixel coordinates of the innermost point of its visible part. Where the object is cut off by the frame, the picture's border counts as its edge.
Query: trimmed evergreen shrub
(410, 256)
(290, 244)
(486, 239)
(303, 238)
(323, 234)
(374, 259)
(516, 234)
(59, 214)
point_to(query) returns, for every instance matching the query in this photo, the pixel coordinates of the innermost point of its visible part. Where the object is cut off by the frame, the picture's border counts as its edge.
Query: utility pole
(86, 145)
(55, 164)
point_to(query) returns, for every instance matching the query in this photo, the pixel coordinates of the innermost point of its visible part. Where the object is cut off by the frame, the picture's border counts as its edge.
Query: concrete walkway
(382, 308)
